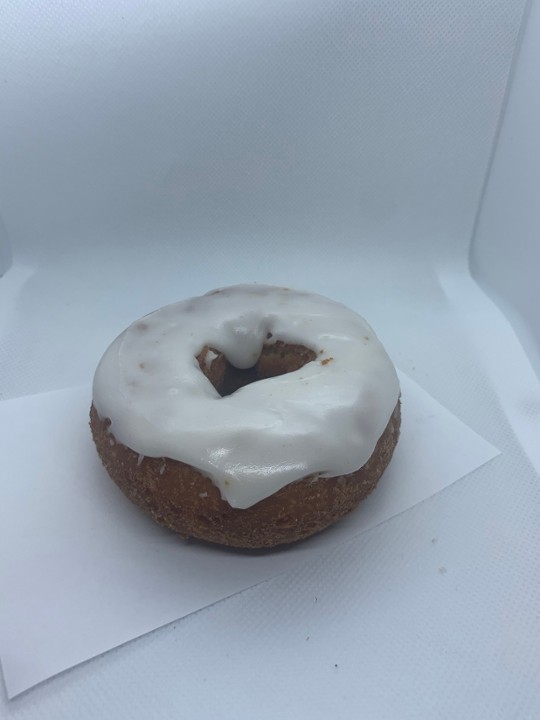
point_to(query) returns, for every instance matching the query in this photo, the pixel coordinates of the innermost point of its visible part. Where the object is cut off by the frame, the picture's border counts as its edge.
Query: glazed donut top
(324, 418)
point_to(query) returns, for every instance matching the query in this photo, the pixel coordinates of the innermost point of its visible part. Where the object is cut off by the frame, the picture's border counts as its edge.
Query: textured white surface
(151, 152)
(99, 573)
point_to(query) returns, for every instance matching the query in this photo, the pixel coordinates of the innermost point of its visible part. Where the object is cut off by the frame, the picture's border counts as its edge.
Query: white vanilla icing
(209, 358)
(324, 418)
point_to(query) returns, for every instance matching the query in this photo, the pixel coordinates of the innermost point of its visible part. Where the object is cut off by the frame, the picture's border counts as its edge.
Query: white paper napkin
(82, 570)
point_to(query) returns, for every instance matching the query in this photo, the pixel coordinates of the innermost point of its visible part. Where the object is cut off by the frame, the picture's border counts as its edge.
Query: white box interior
(364, 150)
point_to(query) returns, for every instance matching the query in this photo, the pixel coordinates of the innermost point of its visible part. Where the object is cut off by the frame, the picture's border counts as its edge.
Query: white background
(152, 151)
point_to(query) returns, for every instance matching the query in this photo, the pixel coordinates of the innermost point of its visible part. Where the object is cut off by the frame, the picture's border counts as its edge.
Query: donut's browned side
(179, 497)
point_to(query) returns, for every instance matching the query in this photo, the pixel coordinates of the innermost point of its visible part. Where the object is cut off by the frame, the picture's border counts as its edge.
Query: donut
(252, 416)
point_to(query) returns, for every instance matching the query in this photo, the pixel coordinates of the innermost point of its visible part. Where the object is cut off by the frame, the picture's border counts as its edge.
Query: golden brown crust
(179, 497)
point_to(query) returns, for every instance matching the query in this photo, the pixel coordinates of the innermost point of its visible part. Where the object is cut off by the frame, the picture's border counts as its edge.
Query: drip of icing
(209, 358)
(324, 418)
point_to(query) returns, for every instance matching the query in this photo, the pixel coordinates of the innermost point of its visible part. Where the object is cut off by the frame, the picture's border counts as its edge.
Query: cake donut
(251, 416)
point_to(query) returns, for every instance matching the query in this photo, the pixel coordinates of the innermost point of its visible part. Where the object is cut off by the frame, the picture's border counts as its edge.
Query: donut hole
(278, 358)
